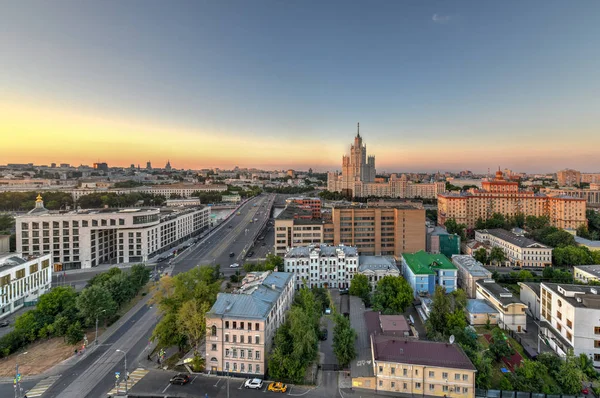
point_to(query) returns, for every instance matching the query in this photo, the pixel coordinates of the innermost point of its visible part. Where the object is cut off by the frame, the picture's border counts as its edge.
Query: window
(213, 330)
(431, 374)
(381, 369)
(235, 338)
(404, 372)
(234, 324)
(213, 359)
(431, 387)
(256, 339)
(570, 336)
(249, 368)
(227, 366)
(256, 326)
(241, 339)
(596, 357)
(393, 371)
(417, 386)
(559, 315)
(234, 367)
(227, 352)
(257, 368)
(465, 377)
(404, 386)
(444, 375)
(226, 324)
(569, 324)
(596, 343)
(213, 347)
(457, 376)
(227, 338)
(84, 223)
(465, 390)
(380, 383)
(257, 355)
(597, 330)
(416, 372)
(241, 325)
(393, 384)
(445, 388)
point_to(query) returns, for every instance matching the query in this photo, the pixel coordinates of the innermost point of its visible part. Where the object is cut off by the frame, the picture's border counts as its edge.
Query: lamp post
(126, 375)
(18, 388)
(97, 314)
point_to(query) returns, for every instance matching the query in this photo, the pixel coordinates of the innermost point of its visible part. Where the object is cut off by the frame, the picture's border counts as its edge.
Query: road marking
(218, 381)
(42, 386)
(193, 380)
(242, 385)
(168, 385)
(134, 377)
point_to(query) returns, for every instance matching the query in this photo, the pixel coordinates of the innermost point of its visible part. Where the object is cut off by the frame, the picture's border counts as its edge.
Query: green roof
(426, 263)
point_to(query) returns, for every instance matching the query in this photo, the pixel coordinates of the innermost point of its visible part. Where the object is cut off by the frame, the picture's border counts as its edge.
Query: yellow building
(586, 273)
(417, 367)
(511, 311)
(504, 197)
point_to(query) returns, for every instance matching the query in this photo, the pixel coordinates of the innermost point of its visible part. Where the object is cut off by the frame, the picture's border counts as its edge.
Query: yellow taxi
(277, 387)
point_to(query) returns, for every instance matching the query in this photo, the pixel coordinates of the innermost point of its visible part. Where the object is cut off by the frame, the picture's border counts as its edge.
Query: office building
(87, 238)
(570, 319)
(519, 250)
(425, 271)
(505, 197)
(568, 177)
(240, 326)
(469, 272)
(511, 311)
(23, 281)
(357, 178)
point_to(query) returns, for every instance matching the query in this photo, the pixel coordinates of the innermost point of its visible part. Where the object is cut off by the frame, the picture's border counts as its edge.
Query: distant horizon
(435, 85)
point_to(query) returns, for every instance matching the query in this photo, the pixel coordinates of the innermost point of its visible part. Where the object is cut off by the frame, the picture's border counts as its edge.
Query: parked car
(4, 323)
(250, 254)
(516, 268)
(277, 387)
(234, 265)
(324, 334)
(180, 378)
(343, 291)
(255, 384)
(231, 254)
(585, 391)
(327, 311)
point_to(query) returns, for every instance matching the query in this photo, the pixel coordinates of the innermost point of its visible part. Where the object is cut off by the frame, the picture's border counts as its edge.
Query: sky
(435, 85)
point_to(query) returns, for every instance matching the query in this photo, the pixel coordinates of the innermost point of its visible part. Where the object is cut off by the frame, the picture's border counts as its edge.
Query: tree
(533, 222)
(7, 223)
(74, 333)
(525, 275)
(570, 375)
(360, 287)
(120, 288)
(59, 300)
(92, 300)
(497, 255)
(191, 321)
(454, 228)
(139, 276)
(343, 341)
(274, 261)
(499, 347)
(393, 295)
(481, 255)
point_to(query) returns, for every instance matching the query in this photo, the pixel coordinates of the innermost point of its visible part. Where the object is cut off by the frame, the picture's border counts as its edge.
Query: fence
(479, 393)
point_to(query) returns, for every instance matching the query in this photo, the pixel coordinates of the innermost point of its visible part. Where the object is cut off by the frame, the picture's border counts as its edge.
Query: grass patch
(172, 360)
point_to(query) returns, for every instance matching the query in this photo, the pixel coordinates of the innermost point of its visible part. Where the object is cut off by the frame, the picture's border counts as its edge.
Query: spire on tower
(358, 130)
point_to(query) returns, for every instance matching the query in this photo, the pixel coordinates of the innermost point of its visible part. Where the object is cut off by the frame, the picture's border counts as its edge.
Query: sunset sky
(435, 85)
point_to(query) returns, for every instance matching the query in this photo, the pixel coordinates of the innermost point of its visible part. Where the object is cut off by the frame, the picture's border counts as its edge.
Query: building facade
(469, 272)
(568, 177)
(23, 281)
(590, 195)
(519, 250)
(240, 327)
(425, 271)
(505, 197)
(512, 313)
(87, 238)
(586, 273)
(570, 319)
(311, 204)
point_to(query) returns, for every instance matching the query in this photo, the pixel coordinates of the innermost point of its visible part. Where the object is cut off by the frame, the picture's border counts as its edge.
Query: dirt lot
(40, 356)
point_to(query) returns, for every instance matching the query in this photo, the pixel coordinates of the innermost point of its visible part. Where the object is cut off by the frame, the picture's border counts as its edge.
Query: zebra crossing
(134, 377)
(42, 386)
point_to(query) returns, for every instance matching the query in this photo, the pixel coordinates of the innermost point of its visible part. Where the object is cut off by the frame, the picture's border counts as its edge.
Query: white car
(255, 384)
(234, 265)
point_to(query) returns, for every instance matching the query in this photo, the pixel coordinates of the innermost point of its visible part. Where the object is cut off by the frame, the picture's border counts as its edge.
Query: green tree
(485, 369)
(533, 222)
(360, 287)
(499, 347)
(343, 341)
(436, 324)
(59, 300)
(191, 321)
(393, 295)
(454, 228)
(570, 375)
(139, 276)
(497, 255)
(120, 288)
(7, 223)
(525, 276)
(94, 299)
(481, 255)
(74, 333)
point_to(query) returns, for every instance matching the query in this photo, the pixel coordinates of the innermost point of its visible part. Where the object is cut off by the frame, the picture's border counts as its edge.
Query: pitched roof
(512, 238)
(426, 263)
(420, 352)
(373, 263)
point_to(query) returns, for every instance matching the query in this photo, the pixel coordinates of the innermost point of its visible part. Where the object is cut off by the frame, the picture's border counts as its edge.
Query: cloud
(438, 18)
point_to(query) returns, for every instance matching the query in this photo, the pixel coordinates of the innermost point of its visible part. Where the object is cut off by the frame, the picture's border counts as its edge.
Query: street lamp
(18, 388)
(126, 375)
(97, 314)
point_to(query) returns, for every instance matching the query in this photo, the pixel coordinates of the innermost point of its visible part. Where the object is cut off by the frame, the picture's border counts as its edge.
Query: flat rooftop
(422, 263)
(581, 296)
(472, 266)
(498, 292)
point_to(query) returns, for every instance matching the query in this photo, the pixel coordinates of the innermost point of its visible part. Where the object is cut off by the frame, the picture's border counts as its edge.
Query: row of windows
(242, 367)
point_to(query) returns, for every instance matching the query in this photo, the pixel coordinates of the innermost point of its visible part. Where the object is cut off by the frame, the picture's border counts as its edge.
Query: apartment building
(505, 197)
(586, 273)
(311, 204)
(511, 311)
(87, 238)
(469, 272)
(380, 229)
(240, 327)
(23, 281)
(425, 271)
(570, 319)
(568, 177)
(590, 178)
(590, 195)
(519, 250)
(419, 367)
(335, 266)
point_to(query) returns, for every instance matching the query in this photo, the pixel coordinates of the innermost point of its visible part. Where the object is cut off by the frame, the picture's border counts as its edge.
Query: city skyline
(272, 85)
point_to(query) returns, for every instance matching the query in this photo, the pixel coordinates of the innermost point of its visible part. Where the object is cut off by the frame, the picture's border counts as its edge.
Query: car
(324, 334)
(255, 384)
(251, 253)
(231, 226)
(234, 265)
(180, 378)
(4, 324)
(327, 311)
(343, 291)
(263, 244)
(585, 391)
(231, 254)
(277, 387)
(516, 268)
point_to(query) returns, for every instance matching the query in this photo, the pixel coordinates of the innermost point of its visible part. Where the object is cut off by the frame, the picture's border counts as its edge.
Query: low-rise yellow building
(586, 273)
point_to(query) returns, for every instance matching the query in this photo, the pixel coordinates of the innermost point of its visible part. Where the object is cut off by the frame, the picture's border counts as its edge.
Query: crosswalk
(42, 386)
(134, 377)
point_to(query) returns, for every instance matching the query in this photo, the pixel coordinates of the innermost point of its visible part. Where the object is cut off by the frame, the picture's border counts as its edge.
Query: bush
(74, 333)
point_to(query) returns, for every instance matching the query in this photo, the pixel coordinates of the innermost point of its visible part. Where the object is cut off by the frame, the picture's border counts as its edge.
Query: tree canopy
(393, 295)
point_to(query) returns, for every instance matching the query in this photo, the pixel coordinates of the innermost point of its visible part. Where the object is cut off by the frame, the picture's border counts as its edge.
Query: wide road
(94, 375)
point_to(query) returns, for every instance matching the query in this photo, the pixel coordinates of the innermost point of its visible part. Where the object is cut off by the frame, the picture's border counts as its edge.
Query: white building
(335, 266)
(520, 251)
(511, 311)
(87, 238)
(22, 281)
(231, 198)
(469, 272)
(570, 319)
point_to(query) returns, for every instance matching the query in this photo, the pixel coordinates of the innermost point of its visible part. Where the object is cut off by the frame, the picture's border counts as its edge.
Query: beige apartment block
(505, 197)
(568, 177)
